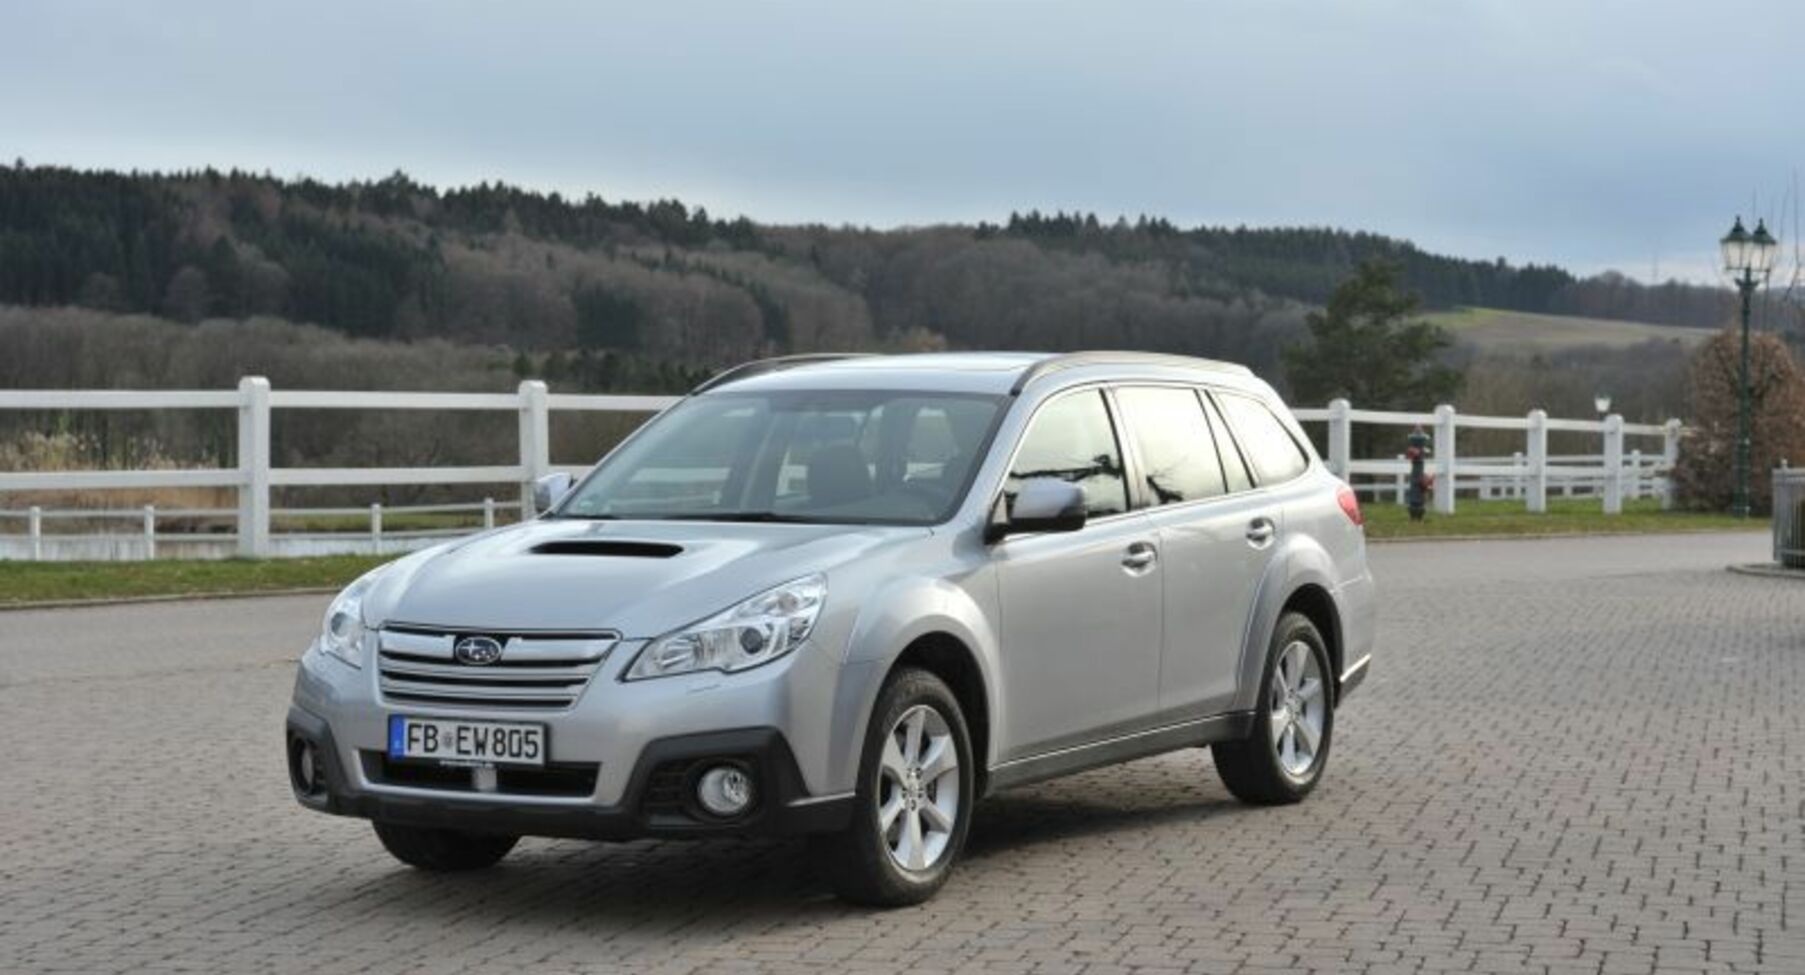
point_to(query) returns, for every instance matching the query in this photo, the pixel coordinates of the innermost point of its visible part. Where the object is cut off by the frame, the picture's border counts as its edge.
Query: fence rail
(1612, 474)
(255, 476)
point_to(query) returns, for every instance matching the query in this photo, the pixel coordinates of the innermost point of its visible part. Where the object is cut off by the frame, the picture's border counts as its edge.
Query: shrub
(1706, 473)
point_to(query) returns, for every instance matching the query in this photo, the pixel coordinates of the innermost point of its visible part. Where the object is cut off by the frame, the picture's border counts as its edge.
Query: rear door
(1080, 610)
(1201, 516)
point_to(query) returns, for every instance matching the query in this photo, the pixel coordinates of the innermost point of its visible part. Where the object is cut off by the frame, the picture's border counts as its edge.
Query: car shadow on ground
(657, 884)
(1015, 823)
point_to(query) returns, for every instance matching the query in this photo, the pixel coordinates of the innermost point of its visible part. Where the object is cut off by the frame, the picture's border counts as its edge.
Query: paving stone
(1572, 756)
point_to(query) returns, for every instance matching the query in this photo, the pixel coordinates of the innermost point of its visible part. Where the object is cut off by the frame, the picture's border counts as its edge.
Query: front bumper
(658, 800)
(621, 759)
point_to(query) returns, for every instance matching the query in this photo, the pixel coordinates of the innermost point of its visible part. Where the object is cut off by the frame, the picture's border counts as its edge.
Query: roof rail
(759, 367)
(1073, 360)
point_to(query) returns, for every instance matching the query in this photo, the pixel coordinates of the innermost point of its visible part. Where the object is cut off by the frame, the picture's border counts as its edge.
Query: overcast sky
(1591, 132)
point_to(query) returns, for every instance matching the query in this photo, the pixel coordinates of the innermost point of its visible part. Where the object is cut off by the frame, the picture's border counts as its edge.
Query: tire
(443, 850)
(1269, 767)
(881, 863)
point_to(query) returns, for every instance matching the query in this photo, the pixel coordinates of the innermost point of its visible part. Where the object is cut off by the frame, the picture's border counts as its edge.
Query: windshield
(853, 456)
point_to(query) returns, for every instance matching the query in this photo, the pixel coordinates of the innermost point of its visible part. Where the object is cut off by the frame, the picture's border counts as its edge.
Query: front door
(1080, 610)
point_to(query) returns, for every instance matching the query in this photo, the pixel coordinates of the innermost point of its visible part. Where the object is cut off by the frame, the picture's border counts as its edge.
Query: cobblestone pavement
(1573, 756)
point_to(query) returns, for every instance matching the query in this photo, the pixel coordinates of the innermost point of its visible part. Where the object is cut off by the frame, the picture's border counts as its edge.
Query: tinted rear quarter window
(1232, 467)
(1275, 457)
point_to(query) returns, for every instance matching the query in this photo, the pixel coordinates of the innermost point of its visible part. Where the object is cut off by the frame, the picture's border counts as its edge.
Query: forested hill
(499, 265)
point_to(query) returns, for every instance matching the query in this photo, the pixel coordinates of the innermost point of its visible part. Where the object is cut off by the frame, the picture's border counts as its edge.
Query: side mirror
(549, 490)
(1044, 504)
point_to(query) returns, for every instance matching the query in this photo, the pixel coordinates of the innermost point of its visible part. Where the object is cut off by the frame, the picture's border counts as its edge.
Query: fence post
(150, 531)
(34, 526)
(376, 528)
(1635, 485)
(1403, 480)
(1613, 464)
(1538, 461)
(488, 512)
(253, 467)
(1670, 456)
(1341, 437)
(535, 442)
(1444, 459)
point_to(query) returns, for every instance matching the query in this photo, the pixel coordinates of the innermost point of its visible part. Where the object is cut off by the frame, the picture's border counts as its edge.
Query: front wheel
(443, 850)
(913, 806)
(1284, 757)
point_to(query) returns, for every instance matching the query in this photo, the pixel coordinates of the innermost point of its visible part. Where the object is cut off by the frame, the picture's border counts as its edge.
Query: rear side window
(1071, 438)
(1275, 457)
(1173, 443)
(1238, 479)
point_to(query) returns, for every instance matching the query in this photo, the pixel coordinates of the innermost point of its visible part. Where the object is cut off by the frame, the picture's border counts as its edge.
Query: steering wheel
(930, 495)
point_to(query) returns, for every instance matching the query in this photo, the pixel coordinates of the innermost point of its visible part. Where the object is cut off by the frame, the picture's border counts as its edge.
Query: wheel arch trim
(912, 613)
(1300, 566)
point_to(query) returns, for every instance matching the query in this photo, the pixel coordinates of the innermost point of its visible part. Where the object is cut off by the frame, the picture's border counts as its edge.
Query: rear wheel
(443, 850)
(1284, 757)
(914, 798)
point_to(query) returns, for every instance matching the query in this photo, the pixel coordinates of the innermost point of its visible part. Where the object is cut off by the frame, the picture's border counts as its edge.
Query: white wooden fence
(1612, 475)
(254, 477)
(1530, 474)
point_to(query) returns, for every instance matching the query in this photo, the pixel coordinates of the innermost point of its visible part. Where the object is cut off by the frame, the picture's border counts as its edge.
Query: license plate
(449, 741)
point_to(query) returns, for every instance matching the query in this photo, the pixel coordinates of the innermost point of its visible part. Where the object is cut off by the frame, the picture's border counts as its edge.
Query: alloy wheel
(1298, 709)
(918, 789)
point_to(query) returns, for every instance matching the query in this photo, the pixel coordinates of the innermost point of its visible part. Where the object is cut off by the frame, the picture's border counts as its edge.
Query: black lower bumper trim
(782, 807)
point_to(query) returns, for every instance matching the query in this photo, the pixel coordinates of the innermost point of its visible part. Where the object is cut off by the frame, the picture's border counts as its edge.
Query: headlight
(342, 631)
(757, 631)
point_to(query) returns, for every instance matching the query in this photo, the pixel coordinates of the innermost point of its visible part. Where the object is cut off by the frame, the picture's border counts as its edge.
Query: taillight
(1350, 504)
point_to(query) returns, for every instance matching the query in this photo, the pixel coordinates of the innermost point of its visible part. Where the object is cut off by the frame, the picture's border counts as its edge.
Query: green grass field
(1565, 516)
(32, 582)
(1495, 330)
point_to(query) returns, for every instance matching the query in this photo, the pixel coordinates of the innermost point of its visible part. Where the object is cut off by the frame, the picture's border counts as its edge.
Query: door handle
(1140, 555)
(1260, 532)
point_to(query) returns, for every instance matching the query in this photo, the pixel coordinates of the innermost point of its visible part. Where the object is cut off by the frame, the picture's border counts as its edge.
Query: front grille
(556, 779)
(536, 672)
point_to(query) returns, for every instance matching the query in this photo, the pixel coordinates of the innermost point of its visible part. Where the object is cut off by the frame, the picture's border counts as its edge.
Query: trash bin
(1789, 517)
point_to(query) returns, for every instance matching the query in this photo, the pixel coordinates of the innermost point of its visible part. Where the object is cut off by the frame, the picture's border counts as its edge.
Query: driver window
(1072, 439)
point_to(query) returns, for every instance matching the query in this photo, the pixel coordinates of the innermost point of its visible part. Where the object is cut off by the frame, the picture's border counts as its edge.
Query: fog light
(725, 790)
(304, 767)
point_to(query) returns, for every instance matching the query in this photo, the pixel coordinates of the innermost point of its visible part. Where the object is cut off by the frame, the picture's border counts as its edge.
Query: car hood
(640, 579)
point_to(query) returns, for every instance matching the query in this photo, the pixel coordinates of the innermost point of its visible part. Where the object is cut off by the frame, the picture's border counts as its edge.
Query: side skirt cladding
(1124, 748)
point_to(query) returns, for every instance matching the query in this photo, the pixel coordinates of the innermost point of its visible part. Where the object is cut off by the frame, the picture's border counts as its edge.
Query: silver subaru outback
(849, 597)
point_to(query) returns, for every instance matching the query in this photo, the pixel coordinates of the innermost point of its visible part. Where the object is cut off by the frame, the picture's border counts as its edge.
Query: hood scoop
(607, 547)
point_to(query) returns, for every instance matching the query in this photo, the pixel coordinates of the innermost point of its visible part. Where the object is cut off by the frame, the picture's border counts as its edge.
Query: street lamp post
(1748, 259)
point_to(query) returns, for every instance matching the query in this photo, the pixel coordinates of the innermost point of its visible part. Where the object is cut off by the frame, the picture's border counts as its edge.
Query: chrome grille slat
(395, 665)
(503, 695)
(545, 672)
(516, 647)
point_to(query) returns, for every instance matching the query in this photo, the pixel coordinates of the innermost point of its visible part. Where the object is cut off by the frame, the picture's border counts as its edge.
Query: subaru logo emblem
(479, 651)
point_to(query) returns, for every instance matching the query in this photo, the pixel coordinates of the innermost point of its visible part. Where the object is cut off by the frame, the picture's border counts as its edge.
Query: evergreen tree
(1366, 347)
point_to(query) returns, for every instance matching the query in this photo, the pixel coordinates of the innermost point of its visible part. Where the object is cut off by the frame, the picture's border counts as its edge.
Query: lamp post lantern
(1747, 259)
